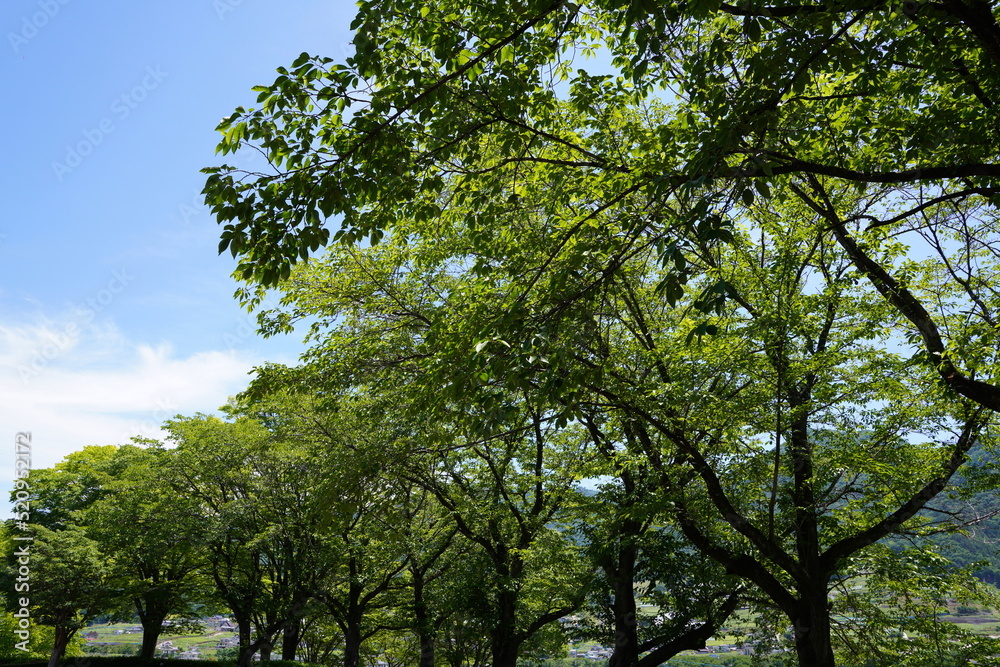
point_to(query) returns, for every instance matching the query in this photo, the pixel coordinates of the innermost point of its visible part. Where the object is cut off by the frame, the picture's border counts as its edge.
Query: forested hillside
(978, 545)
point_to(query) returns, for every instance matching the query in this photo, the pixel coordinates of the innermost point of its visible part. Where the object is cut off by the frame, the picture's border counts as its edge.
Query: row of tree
(745, 277)
(413, 488)
(765, 405)
(337, 531)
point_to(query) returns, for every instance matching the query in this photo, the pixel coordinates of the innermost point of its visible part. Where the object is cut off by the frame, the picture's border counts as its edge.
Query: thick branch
(910, 307)
(978, 18)
(917, 501)
(740, 565)
(692, 638)
(930, 173)
(768, 547)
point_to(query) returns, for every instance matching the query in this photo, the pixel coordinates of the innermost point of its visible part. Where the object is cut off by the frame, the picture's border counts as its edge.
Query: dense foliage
(735, 264)
(316, 527)
(754, 254)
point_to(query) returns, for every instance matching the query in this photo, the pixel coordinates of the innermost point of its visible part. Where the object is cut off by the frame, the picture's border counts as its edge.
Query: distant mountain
(980, 541)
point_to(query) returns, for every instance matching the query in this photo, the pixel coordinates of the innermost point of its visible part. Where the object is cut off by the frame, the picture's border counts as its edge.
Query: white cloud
(73, 384)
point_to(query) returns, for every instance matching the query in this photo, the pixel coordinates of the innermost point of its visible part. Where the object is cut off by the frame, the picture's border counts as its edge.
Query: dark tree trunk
(246, 649)
(59, 643)
(152, 627)
(262, 646)
(505, 655)
(618, 565)
(426, 651)
(290, 638)
(626, 650)
(148, 648)
(811, 623)
(352, 643)
(353, 616)
(424, 627)
(504, 644)
(245, 656)
(810, 616)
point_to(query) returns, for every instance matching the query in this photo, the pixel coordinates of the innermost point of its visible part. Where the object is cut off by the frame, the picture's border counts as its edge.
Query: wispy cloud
(73, 386)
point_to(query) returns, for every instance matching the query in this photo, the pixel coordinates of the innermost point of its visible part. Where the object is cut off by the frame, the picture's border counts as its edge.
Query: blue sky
(115, 310)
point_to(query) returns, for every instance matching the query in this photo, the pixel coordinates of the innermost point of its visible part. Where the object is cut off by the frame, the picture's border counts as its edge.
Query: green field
(108, 636)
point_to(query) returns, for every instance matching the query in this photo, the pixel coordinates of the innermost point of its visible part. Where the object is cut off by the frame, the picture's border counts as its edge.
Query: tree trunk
(619, 568)
(811, 616)
(152, 627)
(290, 639)
(505, 654)
(503, 645)
(148, 648)
(245, 656)
(811, 624)
(59, 643)
(246, 649)
(426, 651)
(626, 650)
(424, 627)
(352, 643)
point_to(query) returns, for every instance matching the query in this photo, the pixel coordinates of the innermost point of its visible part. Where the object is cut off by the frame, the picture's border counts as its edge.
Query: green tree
(642, 560)
(346, 513)
(794, 437)
(72, 485)
(149, 536)
(786, 433)
(571, 230)
(40, 641)
(513, 501)
(433, 548)
(222, 468)
(71, 584)
(503, 469)
(363, 561)
(63, 498)
(298, 520)
(450, 111)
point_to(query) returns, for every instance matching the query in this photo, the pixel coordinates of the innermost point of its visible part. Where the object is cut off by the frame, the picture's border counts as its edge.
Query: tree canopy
(488, 115)
(749, 248)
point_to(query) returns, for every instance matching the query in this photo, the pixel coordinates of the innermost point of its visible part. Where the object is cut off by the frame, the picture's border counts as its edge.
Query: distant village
(166, 649)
